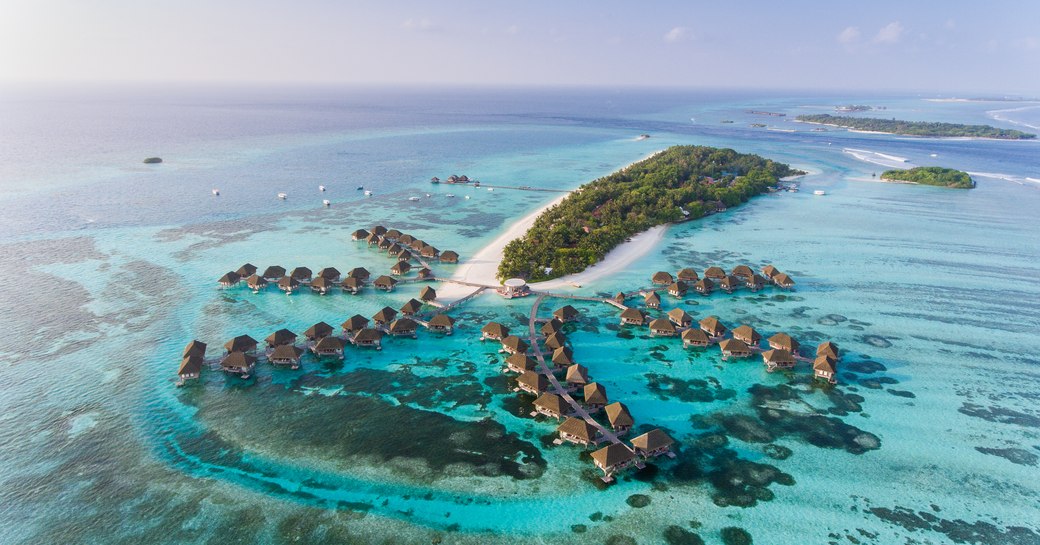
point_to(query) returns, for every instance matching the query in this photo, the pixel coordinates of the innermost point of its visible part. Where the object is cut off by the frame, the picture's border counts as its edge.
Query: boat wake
(999, 115)
(1020, 180)
(878, 158)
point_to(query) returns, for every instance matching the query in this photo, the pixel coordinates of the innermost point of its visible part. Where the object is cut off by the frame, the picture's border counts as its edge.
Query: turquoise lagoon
(931, 436)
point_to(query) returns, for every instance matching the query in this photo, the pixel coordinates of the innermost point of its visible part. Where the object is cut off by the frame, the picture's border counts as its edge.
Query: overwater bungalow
(385, 244)
(360, 234)
(322, 285)
(449, 257)
(351, 284)
(318, 331)
(441, 323)
(246, 270)
(394, 249)
(783, 341)
(680, 318)
(427, 294)
(405, 255)
(730, 283)
(704, 286)
(633, 316)
(688, 275)
(532, 382)
(384, 316)
(577, 431)
(783, 280)
(330, 273)
(613, 459)
(562, 357)
(518, 363)
(678, 289)
(825, 367)
(577, 375)
(378, 230)
(556, 340)
(190, 368)
(619, 418)
(229, 279)
(238, 363)
(712, 326)
(652, 300)
(288, 284)
(287, 354)
(274, 272)
(494, 331)
(430, 252)
(552, 326)
(742, 271)
(393, 234)
(551, 405)
(425, 274)
(256, 283)
(662, 328)
(770, 271)
(619, 297)
(714, 273)
(368, 337)
(354, 324)
(405, 239)
(747, 334)
(662, 278)
(755, 282)
(401, 268)
(385, 283)
(280, 338)
(360, 273)
(653, 444)
(566, 314)
(241, 343)
(302, 274)
(695, 337)
(373, 239)
(828, 349)
(595, 396)
(197, 348)
(734, 348)
(403, 327)
(411, 308)
(417, 245)
(777, 358)
(514, 345)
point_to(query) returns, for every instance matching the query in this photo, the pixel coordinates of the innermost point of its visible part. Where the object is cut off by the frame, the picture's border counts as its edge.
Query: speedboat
(216, 192)
(282, 196)
(360, 187)
(368, 193)
(467, 197)
(326, 202)
(819, 192)
(321, 188)
(450, 195)
(491, 189)
(428, 195)
(413, 198)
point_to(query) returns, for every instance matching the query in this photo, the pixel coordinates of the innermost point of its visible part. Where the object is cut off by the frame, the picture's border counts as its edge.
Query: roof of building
(495, 329)
(238, 360)
(229, 277)
(595, 393)
(563, 356)
(747, 333)
(678, 287)
(322, 283)
(351, 283)
(733, 345)
(288, 282)
(552, 326)
(661, 277)
(713, 325)
(715, 272)
(612, 455)
(742, 270)
(777, 356)
(770, 270)
(579, 428)
(288, 352)
(783, 279)
(652, 297)
(661, 324)
(694, 335)
(274, 271)
(533, 380)
(355, 323)
(827, 348)
(241, 343)
(330, 273)
(359, 272)
(412, 306)
(521, 361)
(618, 415)
(403, 325)
(679, 315)
(442, 320)
(246, 270)
(385, 314)
(368, 334)
(256, 281)
(198, 347)
(785, 341)
(688, 274)
(556, 340)
(282, 336)
(633, 314)
(825, 363)
(190, 365)
(320, 329)
(301, 273)
(552, 403)
(566, 312)
(515, 343)
(385, 280)
(427, 293)
(577, 374)
(652, 440)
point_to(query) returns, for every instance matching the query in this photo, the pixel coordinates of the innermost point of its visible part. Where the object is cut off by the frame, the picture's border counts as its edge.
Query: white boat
(428, 195)
(368, 193)
(326, 202)
(467, 197)
(413, 198)
(282, 196)
(934, 155)
(321, 188)
(491, 189)
(819, 192)
(216, 192)
(450, 195)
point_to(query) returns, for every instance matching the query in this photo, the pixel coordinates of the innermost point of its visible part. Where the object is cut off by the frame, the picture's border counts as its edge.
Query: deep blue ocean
(932, 434)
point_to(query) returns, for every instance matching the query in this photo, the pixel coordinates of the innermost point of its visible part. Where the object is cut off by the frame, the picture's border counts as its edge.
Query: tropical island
(678, 184)
(915, 128)
(937, 176)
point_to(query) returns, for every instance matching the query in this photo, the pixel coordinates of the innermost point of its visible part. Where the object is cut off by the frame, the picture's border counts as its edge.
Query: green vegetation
(915, 128)
(942, 177)
(581, 229)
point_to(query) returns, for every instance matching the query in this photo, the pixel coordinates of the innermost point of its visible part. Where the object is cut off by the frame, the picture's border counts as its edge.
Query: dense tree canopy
(943, 177)
(580, 230)
(915, 128)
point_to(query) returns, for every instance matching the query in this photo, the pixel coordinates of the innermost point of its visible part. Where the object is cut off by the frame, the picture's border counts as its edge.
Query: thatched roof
(825, 364)
(712, 326)
(385, 281)
(393, 233)
(827, 348)
(237, 360)
(288, 352)
(679, 288)
(579, 428)
(783, 341)
(704, 285)
(394, 249)
(515, 344)
(661, 277)
(552, 403)
(556, 340)
(360, 234)
(730, 282)
(679, 316)
(689, 275)
(246, 270)
(318, 330)
(661, 324)
(533, 380)
(449, 256)
(351, 283)
(417, 244)
(595, 393)
(274, 272)
(195, 347)
(330, 273)
(734, 346)
(633, 314)
(280, 337)
(413, 306)
(373, 239)
(401, 267)
(301, 273)
(618, 415)
(566, 313)
(652, 440)
(652, 299)
(777, 356)
(322, 283)
(495, 329)
(782, 279)
(241, 343)
(190, 365)
(695, 336)
(747, 334)
(612, 455)
(288, 282)
(385, 315)
(563, 356)
(405, 255)
(577, 374)
(522, 361)
(425, 273)
(406, 239)
(427, 293)
(229, 278)
(354, 323)
(757, 280)
(384, 244)
(429, 251)
(403, 325)
(620, 297)
(379, 230)
(552, 326)
(770, 271)
(714, 272)
(256, 281)
(368, 334)
(442, 320)
(742, 271)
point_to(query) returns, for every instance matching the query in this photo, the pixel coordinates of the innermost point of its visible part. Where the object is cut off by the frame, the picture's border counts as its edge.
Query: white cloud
(420, 24)
(849, 35)
(512, 29)
(1030, 43)
(950, 24)
(676, 34)
(890, 33)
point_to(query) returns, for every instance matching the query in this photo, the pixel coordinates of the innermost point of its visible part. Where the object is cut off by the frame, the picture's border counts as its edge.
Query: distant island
(853, 108)
(153, 160)
(915, 128)
(680, 183)
(938, 176)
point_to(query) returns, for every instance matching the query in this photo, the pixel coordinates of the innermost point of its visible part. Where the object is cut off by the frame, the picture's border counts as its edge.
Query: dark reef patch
(735, 536)
(901, 393)
(957, 531)
(1001, 415)
(620, 540)
(876, 340)
(691, 391)
(638, 500)
(863, 366)
(1014, 455)
(677, 535)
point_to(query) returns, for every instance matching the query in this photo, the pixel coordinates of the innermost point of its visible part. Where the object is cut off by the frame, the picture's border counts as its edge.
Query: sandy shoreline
(615, 261)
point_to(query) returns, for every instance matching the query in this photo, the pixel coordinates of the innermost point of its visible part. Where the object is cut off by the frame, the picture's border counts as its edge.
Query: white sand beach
(615, 261)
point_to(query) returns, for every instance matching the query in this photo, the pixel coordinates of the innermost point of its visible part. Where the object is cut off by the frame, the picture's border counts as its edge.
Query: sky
(908, 45)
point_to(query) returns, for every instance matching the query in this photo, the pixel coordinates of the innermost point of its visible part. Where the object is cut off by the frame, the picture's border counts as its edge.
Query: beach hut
(619, 418)
(662, 278)
(613, 459)
(394, 249)
(619, 297)
(286, 354)
(783, 280)
(360, 273)
(556, 340)
(256, 283)
(354, 324)
(288, 284)
(633, 316)
(241, 343)
(379, 230)
(577, 375)
(653, 444)
(385, 244)
(704, 286)
(403, 327)
(714, 273)
(441, 323)
(368, 337)
(532, 382)
(662, 328)
(449, 257)
(494, 331)
(427, 294)
(392, 234)
(281, 337)
(385, 283)
(783, 341)
(430, 252)
(730, 283)
(566, 314)
(405, 239)
(595, 396)
(318, 331)
(825, 367)
(384, 316)
(514, 345)
(330, 273)
(552, 326)
(777, 358)
(652, 300)
(197, 348)
(678, 289)
(688, 275)
(274, 272)
(828, 349)
(360, 234)
(417, 245)
(742, 271)
(551, 405)
(747, 334)
(577, 431)
(755, 282)
(400, 268)
(563, 357)
(322, 285)
(770, 271)
(373, 239)
(435, 180)
(518, 363)
(229, 279)
(695, 337)
(712, 326)
(680, 318)
(190, 368)
(302, 274)
(425, 274)
(411, 308)
(405, 255)
(351, 284)
(238, 363)
(734, 348)
(246, 270)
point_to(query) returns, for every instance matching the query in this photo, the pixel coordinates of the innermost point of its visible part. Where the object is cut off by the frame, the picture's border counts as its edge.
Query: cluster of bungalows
(324, 282)
(454, 179)
(553, 385)
(404, 247)
(714, 278)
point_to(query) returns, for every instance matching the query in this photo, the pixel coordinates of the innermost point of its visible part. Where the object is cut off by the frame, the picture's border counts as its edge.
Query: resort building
(730, 283)
(653, 444)
(518, 363)
(274, 272)
(494, 331)
(715, 273)
(256, 283)
(368, 338)
(532, 382)
(406, 239)
(551, 405)
(197, 348)
(411, 308)
(373, 239)
(441, 323)
(394, 250)
(417, 245)
(595, 396)
(662, 328)
(384, 316)
(238, 363)
(514, 287)
(286, 354)
(392, 234)
(747, 334)
(514, 345)
(556, 340)
(566, 314)
(384, 244)
(742, 271)
(678, 289)
(400, 268)
(563, 357)
(351, 284)
(619, 298)
(777, 358)
(783, 341)
(288, 284)
(354, 324)
(280, 338)
(577, 431)
(704, 286)
(662, 278)
(449, 257)
(385, 283)
(688, 275)
(318, 331)
(679, 317)
(360, 234)
(430, 252)
(613, 459)
(360, 273)
(403, 327)
(756, 282)
(577, 375)
(695, 337)
(825, 367)
(246, 270)
(405, 255)
(241, 343)
(301, 274)
(229, 279)
(712, 326)
(322, 285)
(770, 271)
(190, 368)
(331, 274)
(734, 348)
(425, 274)
(619, 418)
(633, 316)
(783, 280)
(652, 300)
(379, 230)
(427, 294)
(828, 349)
